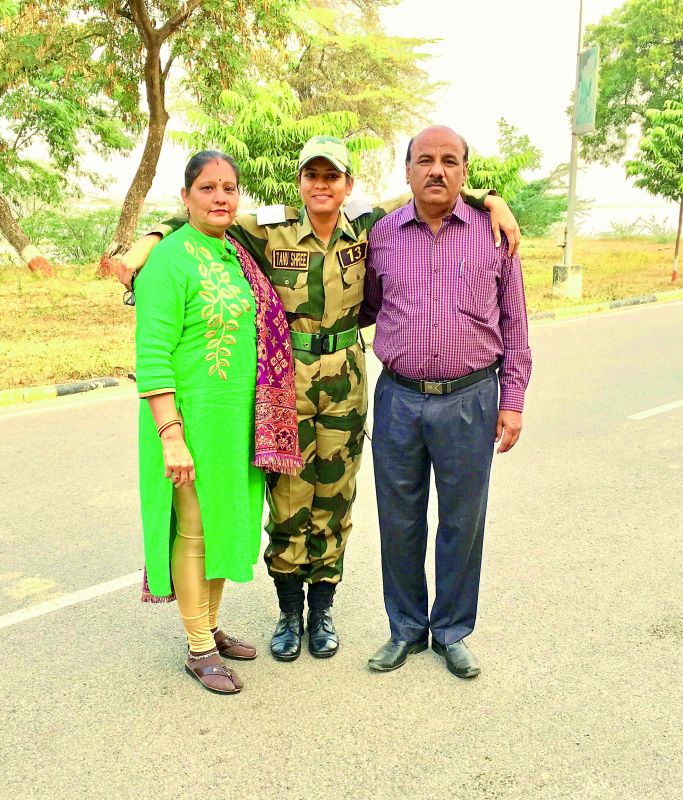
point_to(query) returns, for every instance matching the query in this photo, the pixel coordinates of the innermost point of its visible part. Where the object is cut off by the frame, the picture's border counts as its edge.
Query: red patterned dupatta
(277, 440)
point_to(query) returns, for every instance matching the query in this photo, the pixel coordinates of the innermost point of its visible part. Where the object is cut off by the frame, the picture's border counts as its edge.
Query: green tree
(641, 66)
(537, 204)
(541, 203)
(265, 132)
(345, 60)
(46, 104)
(141, 40)
(339, 59)
(658, 167)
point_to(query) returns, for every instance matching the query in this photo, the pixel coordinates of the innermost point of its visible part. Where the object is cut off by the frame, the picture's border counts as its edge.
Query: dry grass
(65, 328)
(612, 270)
(75, 326)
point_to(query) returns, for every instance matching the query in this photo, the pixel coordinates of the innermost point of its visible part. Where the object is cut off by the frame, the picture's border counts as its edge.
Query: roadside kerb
(577, 311)
(31, 394)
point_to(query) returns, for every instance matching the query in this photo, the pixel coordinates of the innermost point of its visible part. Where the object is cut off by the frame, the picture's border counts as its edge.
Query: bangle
(164, 425)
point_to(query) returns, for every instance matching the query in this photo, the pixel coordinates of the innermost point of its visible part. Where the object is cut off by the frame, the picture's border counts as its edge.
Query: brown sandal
(229, 647)
(213, 674)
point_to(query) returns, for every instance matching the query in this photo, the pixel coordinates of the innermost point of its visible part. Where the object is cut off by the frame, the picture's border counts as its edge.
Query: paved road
(579, 634)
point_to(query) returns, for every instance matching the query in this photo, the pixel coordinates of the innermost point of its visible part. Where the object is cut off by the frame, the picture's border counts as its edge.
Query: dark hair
(462, 139)
(199, 160)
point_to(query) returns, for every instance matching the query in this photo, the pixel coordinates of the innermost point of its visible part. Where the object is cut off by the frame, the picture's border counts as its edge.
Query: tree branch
(142, 21)
(124, 12)
(174, 22)
(167, 67)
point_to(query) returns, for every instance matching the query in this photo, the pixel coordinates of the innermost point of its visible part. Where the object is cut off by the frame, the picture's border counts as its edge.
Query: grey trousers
(454, 434)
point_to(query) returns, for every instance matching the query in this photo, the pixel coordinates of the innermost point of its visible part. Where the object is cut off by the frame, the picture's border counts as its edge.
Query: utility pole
(568, 277)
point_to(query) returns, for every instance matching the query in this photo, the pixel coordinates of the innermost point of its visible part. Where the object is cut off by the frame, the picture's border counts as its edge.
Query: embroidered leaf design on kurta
(220, 309)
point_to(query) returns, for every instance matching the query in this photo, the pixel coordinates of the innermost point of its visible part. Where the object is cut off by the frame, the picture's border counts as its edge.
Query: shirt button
(286, 283)
(435, 355)
(241, 273)
(436, 324)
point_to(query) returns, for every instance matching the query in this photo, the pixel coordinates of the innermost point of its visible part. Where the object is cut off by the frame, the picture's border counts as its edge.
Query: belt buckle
(328, 343)
(317, 344)
(432, 387)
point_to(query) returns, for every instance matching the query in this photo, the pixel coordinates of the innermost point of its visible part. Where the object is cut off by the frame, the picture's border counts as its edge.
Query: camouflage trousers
(310, 513)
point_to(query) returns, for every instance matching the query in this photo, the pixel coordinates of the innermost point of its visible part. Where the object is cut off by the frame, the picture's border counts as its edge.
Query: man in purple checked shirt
(450, 312)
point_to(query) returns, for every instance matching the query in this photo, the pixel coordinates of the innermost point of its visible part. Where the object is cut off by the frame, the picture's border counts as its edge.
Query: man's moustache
(436, 183)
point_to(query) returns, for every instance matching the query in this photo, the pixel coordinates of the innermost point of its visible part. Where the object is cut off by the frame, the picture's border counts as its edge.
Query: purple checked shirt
(447, 304)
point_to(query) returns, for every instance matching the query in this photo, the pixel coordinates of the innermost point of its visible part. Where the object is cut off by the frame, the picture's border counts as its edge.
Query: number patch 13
(352, 255)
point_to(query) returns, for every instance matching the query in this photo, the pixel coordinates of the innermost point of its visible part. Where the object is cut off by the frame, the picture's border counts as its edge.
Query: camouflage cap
(328, 147)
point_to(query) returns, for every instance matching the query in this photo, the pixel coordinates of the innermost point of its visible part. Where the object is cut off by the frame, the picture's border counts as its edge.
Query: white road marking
(658, 410)
(72, 599)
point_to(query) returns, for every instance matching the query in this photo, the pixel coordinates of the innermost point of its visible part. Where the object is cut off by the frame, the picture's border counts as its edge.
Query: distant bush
(641, 228)
(79, 237)
(537, 207)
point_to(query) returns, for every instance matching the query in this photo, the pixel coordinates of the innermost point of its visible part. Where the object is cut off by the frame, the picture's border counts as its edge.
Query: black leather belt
(444, 387)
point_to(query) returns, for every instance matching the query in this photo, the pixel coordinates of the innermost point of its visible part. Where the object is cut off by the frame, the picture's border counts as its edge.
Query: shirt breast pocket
(291, 286)
(352, 265)
(477, 295)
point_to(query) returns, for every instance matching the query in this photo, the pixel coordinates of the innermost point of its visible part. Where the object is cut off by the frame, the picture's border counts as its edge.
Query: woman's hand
(126, 265)
(177, 459)
(502, 219)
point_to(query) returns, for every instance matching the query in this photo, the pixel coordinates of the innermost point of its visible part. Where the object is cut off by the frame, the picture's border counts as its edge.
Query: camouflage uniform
(321, 289)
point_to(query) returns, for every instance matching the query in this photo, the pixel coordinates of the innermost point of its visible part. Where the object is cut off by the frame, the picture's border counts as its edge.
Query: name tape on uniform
(352, 255)
(290, 259)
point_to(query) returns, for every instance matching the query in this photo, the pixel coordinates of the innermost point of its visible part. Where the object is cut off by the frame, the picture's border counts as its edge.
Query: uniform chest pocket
(352, 265)
(477, 295)
(291, 286)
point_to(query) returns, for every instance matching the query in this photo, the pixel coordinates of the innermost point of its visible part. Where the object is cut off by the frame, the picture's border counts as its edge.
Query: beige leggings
(198, 599)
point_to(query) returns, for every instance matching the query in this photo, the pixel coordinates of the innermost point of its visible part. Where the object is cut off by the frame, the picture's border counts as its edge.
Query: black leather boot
(286, 642)
(323, 641)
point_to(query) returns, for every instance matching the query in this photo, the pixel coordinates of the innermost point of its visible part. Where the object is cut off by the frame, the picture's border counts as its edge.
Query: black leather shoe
(323, 641)
(286, 642)
(394, 654)
(460, 660)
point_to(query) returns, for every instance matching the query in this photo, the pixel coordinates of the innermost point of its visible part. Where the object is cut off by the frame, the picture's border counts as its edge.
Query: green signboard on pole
(586, 91)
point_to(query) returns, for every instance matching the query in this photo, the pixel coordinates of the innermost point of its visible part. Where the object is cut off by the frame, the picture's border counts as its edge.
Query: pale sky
(501, 59)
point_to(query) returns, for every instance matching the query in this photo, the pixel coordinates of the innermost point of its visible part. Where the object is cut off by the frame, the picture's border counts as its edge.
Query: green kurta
(196, 336)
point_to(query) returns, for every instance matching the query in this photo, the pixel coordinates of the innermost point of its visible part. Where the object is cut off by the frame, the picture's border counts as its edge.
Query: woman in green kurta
(199, 349)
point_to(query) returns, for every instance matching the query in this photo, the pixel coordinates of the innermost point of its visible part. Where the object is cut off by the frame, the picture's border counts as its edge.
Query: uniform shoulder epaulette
(273, 215)
(356, 208)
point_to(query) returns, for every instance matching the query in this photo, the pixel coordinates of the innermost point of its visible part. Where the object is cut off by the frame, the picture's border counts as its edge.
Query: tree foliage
(47, 103)
(337, 58)
(641, 66)
(537, 204)
(265, 132)
(658, 166)
(345, 60)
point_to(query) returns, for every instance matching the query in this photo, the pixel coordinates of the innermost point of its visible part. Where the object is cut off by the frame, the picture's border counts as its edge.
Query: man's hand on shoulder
(508, 429)
(133, 261)
(502, 219)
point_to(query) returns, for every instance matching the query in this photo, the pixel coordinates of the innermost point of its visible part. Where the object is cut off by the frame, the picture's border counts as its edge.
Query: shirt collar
(461, 211)
(305, 228)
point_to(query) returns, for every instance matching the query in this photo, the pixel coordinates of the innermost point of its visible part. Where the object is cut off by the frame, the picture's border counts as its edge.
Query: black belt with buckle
(444, 387)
